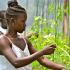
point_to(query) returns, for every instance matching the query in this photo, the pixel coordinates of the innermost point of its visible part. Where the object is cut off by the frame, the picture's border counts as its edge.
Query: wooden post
(65, 21)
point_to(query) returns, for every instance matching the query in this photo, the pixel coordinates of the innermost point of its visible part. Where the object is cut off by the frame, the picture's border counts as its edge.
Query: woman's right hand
(49, 50)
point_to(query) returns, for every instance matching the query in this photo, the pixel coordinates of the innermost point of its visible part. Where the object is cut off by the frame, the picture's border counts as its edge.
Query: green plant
(62, 52)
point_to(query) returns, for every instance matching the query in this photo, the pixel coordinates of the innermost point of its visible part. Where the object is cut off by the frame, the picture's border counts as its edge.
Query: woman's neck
(11, 33)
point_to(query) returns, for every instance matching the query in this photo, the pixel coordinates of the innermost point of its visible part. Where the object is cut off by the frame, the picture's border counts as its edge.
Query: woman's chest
(20, 43)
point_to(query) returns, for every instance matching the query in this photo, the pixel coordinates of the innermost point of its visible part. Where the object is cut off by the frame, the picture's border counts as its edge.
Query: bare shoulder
(4, 42)
(28, 42)
(3, 39)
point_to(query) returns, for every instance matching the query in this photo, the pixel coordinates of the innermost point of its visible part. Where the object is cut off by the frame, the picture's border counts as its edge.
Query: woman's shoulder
(4, 40)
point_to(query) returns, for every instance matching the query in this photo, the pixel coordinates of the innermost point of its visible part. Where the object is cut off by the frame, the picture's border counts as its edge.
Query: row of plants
(49, 31)
(43, 38)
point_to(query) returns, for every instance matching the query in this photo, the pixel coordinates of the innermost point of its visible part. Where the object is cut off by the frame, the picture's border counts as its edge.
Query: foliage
(61, 54)
(49, 33)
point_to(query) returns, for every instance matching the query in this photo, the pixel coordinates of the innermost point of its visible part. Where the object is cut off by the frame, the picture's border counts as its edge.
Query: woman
(12, 46)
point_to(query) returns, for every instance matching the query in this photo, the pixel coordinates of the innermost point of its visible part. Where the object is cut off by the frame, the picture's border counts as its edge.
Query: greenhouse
(36, 34)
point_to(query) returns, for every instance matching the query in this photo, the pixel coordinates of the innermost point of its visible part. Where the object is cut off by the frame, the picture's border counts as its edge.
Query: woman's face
(20, 23)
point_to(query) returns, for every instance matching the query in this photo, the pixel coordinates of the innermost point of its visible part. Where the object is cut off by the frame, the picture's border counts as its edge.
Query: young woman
(12, 46)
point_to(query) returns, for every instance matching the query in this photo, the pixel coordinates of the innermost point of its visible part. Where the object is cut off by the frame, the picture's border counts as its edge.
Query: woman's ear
(13, 20)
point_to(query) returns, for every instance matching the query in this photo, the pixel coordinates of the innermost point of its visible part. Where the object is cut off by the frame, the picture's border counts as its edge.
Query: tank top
(6, 65)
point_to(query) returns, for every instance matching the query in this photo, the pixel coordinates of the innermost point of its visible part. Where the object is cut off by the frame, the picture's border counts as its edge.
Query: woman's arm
(13, 59)
(44, 61)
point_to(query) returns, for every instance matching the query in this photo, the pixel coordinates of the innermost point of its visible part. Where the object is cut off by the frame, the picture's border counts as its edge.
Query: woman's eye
(23, 21)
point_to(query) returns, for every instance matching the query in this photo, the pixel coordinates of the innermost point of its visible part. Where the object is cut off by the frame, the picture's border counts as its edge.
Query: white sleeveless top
(6, 65)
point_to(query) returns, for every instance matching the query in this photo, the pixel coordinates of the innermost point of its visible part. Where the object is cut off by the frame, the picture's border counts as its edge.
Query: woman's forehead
(22, 16)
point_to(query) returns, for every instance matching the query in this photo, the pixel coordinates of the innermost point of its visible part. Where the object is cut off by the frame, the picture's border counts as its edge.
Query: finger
(54, 46)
